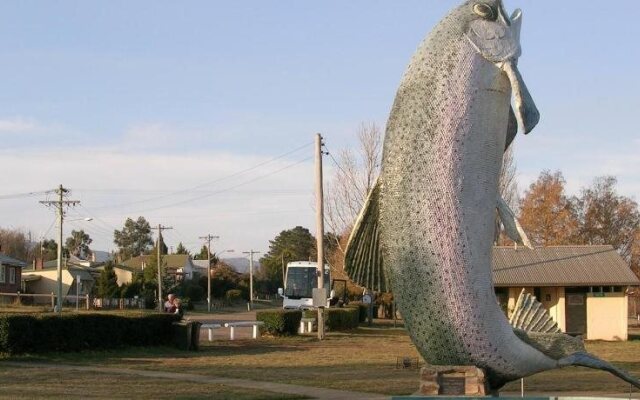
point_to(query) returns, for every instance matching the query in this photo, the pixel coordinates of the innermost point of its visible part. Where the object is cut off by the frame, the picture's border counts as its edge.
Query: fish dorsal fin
(363, 257)
(531, 316)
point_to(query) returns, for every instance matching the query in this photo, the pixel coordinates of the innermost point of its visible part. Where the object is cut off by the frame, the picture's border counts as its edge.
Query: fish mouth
(525, 108)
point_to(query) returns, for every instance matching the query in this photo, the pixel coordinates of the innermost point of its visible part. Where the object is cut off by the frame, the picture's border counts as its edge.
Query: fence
(82, 301)
(120, 304)
(30, 299)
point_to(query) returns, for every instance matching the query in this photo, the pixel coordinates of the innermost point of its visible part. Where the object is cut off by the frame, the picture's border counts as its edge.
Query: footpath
(313, 392)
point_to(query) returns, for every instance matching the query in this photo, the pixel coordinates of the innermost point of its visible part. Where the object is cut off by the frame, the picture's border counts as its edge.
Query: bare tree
(607, 217)
(355, 176)
(509, 180)
(508, 189)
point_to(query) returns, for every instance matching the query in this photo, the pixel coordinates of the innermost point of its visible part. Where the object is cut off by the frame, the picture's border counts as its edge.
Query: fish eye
(485, 11)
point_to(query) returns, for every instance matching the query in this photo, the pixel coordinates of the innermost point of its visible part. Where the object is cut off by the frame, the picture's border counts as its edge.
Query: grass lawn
(33, 383)
(363, 360)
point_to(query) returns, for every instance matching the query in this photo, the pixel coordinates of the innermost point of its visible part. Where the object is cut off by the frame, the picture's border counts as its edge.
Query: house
(584, 288)
(201, 266)
(178, 265)
(10, 274)
(78, 277)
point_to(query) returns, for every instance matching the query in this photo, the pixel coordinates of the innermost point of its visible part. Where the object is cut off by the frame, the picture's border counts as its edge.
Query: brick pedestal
(439, 380)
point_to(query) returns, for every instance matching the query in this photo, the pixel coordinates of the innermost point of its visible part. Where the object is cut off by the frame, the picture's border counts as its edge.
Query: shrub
(280, 322)
(363, 310)
(233, 295)
(20, 333)
(341, 319)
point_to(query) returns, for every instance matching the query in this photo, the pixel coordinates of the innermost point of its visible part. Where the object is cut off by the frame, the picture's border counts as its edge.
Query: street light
(209, 275)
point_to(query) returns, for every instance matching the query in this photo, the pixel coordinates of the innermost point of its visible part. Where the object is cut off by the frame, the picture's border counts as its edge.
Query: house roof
(6, 260)
(170, 260)
(561, 266)
(200, 263)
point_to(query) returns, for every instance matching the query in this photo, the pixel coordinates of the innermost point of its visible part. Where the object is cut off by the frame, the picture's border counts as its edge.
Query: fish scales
(450, 118)
(426, 230)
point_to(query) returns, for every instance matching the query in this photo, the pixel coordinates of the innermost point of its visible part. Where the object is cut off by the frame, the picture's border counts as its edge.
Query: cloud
(17, 125)
(194, 193)
(149, 136)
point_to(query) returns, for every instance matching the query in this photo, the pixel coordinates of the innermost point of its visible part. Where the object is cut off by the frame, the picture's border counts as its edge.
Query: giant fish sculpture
(427, 228)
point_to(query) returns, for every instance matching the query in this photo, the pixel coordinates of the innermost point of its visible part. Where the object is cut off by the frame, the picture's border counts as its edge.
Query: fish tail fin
(584, 359)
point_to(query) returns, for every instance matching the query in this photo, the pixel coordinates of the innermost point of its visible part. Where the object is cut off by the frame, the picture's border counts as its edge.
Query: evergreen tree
(181, 249)
(134, 239)
(108, 282)
(296, 244)
(78, 244)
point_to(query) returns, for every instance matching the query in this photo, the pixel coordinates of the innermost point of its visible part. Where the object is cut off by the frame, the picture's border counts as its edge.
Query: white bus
(300, 280)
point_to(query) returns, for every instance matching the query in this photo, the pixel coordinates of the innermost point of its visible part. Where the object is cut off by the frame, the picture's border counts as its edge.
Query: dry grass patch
(35, 383)
(363, 360)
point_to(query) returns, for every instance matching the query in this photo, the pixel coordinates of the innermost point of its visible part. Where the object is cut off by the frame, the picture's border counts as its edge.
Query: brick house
(10, 274)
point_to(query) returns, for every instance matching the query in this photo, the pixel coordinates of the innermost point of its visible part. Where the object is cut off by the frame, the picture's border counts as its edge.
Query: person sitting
(178, 307)
(169, 305)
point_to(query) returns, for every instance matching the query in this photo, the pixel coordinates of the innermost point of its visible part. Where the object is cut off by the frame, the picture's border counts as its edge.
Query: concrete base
(452, 380)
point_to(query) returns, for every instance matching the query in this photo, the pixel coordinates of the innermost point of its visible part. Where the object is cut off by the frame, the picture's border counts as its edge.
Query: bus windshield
(301, 281)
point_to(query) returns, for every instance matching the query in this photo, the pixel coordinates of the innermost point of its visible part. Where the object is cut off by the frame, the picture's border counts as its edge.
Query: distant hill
(102, 256)
(241, 264)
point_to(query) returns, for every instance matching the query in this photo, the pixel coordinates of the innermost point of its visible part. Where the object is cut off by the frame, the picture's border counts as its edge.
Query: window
(12, 275)
(2, 277)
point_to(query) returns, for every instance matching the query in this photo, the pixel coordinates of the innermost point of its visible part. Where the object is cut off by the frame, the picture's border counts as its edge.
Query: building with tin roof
(584, 288)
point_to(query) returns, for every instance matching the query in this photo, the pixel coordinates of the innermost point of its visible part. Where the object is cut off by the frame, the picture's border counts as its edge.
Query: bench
(308, 322)
(210, 327)
(233, 325)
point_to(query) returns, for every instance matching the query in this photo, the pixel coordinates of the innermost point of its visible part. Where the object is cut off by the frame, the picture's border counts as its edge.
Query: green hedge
(341, 319)
(20, 333)
(280, 322)
(363, 310)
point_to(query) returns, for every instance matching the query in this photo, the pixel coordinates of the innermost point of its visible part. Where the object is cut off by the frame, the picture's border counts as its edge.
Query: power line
(177, 192)
(224, 190)
(28, 194)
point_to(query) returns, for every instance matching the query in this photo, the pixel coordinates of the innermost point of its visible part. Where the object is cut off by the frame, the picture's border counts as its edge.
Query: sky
(201, 115)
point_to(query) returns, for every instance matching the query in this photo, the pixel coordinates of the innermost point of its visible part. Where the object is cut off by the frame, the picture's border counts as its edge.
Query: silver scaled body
(439, 186)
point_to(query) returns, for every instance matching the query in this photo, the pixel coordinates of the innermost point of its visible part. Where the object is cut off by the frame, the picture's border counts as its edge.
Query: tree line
(597, 215)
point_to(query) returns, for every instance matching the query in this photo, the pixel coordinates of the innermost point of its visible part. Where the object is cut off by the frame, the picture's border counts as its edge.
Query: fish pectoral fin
(511, 225)
(584, 359)
(512, 128)
(363, 260)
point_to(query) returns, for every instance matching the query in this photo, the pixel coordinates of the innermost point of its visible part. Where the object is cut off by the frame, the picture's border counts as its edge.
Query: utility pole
(208, 238)
(59, 204)
(251, 253)
(320, 230)
(284, 269)
(160, 228)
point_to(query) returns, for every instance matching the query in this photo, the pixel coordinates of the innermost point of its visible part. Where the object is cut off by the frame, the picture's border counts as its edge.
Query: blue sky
(122, 101)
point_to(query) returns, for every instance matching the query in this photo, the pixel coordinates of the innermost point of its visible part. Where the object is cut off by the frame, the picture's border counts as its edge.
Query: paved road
(313, 392)
(223, 333)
